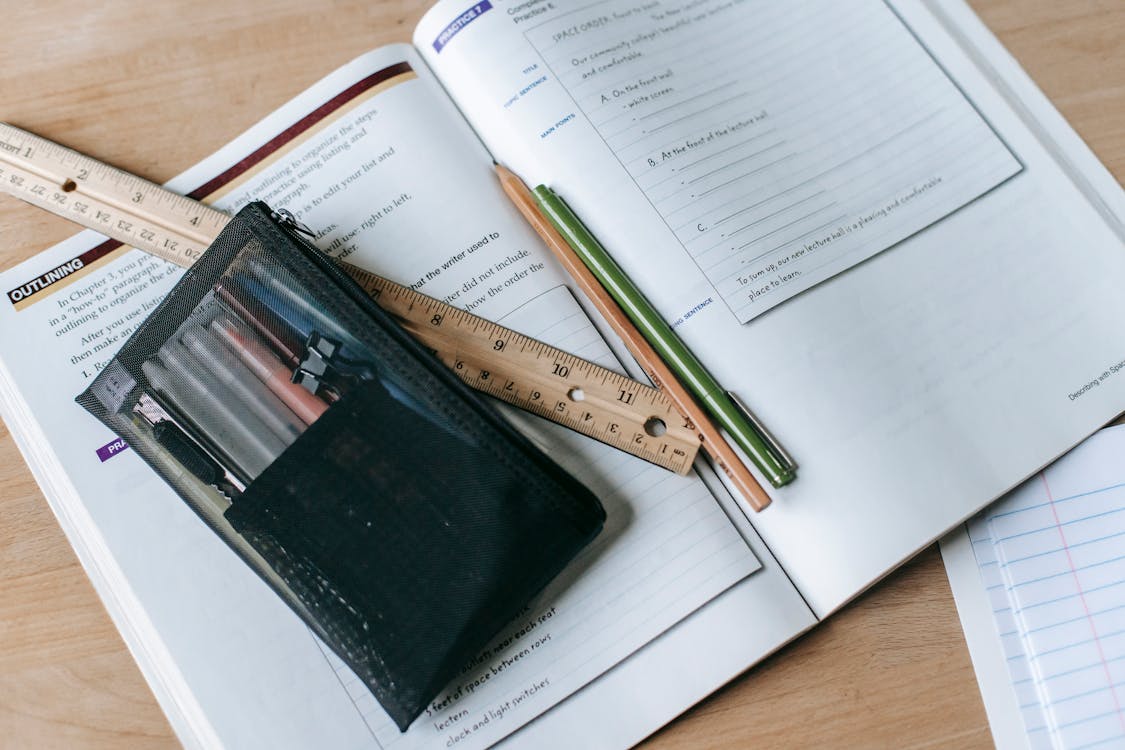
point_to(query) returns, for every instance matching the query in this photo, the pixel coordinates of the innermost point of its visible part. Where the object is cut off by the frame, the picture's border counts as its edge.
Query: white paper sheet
(1011, 701)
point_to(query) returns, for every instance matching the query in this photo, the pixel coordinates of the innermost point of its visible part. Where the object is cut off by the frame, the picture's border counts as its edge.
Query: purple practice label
(459, 23)
(109, 450)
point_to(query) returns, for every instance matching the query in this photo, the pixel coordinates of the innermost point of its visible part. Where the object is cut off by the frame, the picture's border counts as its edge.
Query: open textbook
(865, 221)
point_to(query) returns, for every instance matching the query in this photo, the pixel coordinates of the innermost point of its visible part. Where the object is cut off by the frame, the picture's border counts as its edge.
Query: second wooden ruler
(526, 373)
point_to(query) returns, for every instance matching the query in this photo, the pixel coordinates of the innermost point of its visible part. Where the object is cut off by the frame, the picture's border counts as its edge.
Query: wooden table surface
(153, 87)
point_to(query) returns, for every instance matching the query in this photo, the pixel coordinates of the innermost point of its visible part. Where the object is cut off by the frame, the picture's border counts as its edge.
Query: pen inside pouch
(220, 403)
(222, 421)
(227, 374)
(251, 367)
(328, 359)
(301, 311)
(324, 359)
(257, 357)
(229, 370)
(207, 475)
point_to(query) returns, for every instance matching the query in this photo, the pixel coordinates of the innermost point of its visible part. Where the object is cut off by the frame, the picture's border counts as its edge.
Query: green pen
(749, 433)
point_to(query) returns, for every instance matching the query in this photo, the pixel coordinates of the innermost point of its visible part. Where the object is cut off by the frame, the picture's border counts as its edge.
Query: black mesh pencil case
(391, 507)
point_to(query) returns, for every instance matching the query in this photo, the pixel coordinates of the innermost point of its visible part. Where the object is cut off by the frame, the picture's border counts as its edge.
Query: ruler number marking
(111, 200)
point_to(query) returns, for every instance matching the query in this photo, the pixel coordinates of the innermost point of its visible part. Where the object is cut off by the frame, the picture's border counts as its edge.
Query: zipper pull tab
(285, 218)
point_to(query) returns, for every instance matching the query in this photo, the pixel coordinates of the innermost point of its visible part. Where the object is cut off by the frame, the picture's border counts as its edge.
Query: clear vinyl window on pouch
(390, 506)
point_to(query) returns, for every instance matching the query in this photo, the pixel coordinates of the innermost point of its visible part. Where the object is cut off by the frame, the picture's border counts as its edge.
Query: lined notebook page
(1060, 545)
(1016, 660)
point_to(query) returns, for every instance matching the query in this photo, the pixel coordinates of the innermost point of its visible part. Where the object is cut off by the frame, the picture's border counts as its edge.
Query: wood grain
(154, 87)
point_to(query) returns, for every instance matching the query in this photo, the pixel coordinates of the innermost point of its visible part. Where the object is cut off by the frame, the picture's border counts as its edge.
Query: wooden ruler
(521, 371)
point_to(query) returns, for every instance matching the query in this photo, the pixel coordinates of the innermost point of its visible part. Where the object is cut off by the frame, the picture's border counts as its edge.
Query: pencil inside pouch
(390, 506)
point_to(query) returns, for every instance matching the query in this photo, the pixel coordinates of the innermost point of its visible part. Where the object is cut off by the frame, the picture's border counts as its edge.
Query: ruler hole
(655, 427)
(69, 185)
(576, 394)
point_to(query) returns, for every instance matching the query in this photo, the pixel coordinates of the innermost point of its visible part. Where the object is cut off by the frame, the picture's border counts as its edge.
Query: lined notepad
(1016, 660)
(1059, 541)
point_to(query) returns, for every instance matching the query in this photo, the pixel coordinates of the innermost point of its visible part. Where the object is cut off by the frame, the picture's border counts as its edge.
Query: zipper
(302, 235)
(286, 219)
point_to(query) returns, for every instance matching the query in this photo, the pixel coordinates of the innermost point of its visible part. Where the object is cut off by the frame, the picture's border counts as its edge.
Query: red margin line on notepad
(1082, 598)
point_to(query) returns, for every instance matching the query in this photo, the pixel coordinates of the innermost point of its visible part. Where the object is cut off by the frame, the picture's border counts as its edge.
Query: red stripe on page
(266, 150)
(297, 128)
(1082, 598)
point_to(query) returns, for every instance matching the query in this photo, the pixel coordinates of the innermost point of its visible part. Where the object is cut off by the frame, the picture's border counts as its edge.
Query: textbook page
(911, 387)
(1015, 714)
(378, 161)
